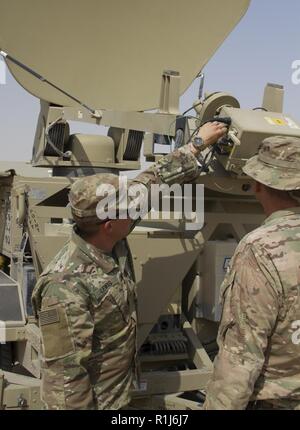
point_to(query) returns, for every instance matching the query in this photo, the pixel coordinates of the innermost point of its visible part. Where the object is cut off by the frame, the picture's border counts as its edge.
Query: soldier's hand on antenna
(208, 135)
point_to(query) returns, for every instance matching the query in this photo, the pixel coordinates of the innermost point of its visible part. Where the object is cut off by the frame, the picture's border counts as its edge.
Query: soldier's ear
(108, 227)
(258, 187)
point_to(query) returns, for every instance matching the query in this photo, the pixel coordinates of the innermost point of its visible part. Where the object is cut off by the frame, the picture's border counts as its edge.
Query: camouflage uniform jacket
(259, 336)
(86, 304)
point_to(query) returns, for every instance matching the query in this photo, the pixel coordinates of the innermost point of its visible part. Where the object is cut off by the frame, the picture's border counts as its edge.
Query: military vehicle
(124, 65)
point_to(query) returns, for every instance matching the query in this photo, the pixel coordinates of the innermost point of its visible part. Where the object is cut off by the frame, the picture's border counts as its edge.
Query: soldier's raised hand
(208, 135)
(211, 132)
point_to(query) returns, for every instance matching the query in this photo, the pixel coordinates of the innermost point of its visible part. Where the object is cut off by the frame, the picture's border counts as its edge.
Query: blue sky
(261, 49)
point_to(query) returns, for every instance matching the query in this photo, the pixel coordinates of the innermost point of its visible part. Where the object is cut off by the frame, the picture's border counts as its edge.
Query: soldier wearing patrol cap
(85, 299)
(258, 365)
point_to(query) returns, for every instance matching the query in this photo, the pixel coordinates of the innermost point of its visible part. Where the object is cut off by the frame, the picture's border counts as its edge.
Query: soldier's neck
(271, 207)
(103, 244)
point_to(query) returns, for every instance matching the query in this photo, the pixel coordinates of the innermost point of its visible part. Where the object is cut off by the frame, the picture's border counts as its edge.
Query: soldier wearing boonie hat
(258, 364)
(86, 298)
(277, 164)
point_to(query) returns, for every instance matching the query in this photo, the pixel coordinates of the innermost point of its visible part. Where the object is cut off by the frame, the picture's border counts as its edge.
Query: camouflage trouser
(280, 404)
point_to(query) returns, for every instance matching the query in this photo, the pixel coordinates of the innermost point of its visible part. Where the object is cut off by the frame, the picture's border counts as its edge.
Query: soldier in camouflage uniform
(85, 300)
(258, 365)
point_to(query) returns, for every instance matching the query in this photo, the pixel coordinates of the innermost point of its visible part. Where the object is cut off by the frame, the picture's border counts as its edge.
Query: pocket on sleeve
(227, 319)
(56, 334)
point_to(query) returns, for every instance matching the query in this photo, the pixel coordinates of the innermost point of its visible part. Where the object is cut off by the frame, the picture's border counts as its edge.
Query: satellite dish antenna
(110, 53)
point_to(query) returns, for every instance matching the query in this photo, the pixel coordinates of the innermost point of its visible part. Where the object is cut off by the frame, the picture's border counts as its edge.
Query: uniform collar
(100, 258)
(282, 214)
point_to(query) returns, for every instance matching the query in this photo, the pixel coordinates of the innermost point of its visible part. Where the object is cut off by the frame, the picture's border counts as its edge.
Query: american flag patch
(49, 316)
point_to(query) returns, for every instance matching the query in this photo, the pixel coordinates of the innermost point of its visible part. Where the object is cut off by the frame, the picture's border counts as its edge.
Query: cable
(193, 107)
(206, 163)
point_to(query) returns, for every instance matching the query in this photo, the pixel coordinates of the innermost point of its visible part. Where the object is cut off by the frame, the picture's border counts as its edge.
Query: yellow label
(276, 121)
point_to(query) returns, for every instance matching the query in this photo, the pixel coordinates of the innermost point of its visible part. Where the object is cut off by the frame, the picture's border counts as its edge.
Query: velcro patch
(49, 316)
(100, 292)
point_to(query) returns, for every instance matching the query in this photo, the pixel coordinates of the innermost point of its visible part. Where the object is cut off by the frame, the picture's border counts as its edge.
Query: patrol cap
(277, 164)
(87, 192)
